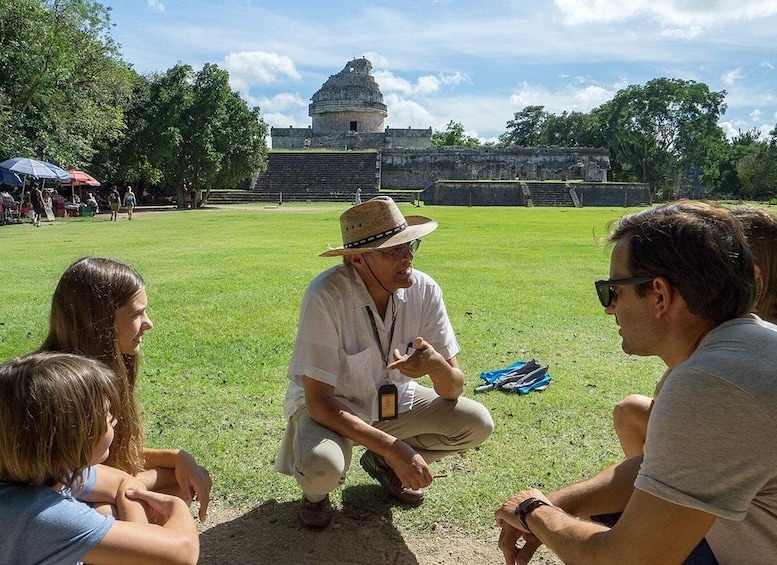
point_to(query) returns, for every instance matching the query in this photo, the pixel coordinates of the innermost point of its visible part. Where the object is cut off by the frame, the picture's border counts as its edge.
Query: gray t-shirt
(712, 439)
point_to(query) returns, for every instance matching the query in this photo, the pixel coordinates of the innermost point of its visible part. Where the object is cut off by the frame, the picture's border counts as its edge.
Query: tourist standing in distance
(681, 287)
(368, 328)
(38, 207)
(357, 199)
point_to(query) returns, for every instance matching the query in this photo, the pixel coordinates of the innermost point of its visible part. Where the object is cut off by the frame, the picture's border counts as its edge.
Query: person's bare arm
(650, 531)
(171, 540)
(175, 471)
(108, 494)
(606, 492)
(325, 409)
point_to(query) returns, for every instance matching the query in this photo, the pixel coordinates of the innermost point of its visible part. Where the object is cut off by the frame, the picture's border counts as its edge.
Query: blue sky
(476, 62)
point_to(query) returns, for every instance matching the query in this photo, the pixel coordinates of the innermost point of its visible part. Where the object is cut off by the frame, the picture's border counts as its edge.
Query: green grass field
(225, 287)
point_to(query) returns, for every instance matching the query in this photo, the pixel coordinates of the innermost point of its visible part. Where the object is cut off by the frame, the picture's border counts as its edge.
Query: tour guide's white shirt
(336, 342)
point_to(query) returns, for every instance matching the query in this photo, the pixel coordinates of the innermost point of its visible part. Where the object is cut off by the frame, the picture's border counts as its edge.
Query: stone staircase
(549, 193)
(232, 196)
(311, 176)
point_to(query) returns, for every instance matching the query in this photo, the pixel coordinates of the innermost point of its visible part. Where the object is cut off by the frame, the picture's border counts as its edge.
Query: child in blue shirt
(56, 426)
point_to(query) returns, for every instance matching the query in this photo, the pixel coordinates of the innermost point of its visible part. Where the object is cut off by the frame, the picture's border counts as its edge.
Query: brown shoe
(382, 472)
(314, 515)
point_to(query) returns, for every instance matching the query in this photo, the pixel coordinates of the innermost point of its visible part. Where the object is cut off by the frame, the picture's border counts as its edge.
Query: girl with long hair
(99, 310)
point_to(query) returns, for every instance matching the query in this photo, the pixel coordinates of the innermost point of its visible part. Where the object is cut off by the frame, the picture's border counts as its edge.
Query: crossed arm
(651, 530)
(175, 471)
(171, 537)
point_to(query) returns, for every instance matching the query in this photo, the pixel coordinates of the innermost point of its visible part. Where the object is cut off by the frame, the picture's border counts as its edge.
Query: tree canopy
(454, 136)
(664, 133)
(67, 96)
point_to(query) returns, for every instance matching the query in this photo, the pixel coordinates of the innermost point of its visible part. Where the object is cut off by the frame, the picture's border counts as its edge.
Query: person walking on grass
(114, 201)
(368, 328)
(129, 201)
(681, 287)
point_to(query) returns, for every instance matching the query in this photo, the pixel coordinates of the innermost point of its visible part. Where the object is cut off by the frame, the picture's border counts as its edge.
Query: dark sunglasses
(605, 290)
(399, 251)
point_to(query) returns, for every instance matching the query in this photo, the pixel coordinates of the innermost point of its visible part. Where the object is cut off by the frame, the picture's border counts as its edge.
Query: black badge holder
(388, 402)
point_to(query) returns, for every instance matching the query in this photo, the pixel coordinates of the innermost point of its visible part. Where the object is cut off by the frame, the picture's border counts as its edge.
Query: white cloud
(156, 5)
(572, 98)
(424, 86)
(282, 102)
(284, 120)
(679, 18)
(732, 76)
(755, 115)
(247, 68)
(766, 65)
(406, 113)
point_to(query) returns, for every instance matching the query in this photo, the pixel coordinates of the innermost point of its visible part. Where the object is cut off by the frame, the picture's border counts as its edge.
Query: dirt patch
(358, 536)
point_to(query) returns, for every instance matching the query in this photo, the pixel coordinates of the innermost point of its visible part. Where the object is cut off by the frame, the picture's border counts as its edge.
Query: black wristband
(526, 507)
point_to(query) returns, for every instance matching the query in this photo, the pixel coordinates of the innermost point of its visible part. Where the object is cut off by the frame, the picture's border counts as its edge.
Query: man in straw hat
(368, 328)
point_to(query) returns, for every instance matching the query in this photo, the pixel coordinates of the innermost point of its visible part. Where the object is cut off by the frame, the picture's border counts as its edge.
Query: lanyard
(391, 333)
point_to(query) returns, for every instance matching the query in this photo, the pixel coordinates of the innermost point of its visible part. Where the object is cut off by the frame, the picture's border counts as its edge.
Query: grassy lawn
(225, 287)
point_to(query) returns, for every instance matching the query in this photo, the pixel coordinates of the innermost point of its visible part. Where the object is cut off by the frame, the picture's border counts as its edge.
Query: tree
(196, 132)
(727, 179)
(567, 130)
(660, 130)
(526, 127)
(757, 170)
(454, 136)
(61, 80)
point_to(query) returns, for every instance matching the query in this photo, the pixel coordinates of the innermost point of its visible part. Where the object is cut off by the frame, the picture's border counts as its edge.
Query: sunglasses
(605, 290)
(399, 251)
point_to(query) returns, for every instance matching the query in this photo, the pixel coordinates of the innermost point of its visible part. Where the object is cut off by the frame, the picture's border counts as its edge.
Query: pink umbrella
(80, 177)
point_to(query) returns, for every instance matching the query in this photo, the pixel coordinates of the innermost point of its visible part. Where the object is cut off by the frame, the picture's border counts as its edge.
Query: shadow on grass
(361, 532)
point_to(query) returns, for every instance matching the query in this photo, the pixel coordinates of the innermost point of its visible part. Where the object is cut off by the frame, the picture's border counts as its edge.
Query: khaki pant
(435, 427)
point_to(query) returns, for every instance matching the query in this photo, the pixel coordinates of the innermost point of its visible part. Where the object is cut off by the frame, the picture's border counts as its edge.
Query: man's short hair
(700, 248)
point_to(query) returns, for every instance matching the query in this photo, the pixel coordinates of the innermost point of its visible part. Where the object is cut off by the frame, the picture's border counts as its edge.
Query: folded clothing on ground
(521, 377)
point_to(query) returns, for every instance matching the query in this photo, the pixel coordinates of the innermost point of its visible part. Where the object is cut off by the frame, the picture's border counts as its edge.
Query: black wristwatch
(527, 506)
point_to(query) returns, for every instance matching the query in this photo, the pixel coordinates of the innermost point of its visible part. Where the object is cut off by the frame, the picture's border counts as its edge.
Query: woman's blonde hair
(54, 409)
(83, 321)
(761, 232)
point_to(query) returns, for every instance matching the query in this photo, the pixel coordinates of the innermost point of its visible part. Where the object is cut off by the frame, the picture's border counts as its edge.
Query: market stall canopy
(10, 178)
(62, 174)
(29, 168)
(80, 177)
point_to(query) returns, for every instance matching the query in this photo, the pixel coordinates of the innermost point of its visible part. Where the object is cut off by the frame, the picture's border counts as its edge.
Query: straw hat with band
(378, 224)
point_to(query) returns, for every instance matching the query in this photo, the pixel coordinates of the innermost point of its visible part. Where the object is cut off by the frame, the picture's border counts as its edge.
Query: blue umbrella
(29, 168)
(62, 174)
(10, 178)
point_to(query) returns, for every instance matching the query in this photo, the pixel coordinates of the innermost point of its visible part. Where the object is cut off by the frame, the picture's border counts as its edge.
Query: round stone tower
(348, 101)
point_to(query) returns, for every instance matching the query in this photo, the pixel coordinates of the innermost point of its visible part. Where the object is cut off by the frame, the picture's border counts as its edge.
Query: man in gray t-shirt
(681, 287)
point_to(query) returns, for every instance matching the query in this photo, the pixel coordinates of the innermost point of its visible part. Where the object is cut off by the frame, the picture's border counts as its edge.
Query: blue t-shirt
(41, 526)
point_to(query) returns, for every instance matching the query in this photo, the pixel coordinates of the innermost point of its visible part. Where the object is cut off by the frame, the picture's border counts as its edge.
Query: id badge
(388, 402)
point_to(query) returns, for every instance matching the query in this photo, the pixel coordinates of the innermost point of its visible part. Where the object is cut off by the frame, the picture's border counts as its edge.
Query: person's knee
(478, 424)
(630, 413)
(320, 471)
